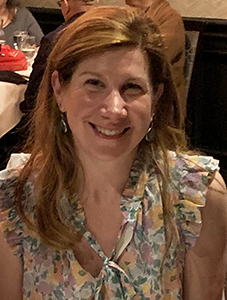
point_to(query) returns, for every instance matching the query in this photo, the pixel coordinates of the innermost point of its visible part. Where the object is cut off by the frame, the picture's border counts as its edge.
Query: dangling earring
(63, 125)
(150, 132)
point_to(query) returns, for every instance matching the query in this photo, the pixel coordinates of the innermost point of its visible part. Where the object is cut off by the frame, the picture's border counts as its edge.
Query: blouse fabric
(134, 270)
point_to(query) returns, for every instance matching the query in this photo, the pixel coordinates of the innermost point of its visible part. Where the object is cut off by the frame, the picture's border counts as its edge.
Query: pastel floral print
(134, 270)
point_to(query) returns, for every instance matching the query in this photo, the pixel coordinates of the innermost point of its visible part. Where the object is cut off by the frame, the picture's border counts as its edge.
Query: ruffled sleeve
(190, 176)
(10, 222)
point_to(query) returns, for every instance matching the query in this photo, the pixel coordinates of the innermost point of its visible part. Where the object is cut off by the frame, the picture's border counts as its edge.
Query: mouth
(109, 133)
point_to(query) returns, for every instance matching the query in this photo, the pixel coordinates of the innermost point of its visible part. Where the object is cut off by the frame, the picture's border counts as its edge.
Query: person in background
(110, 204)
(71, 10)
(17, 18)
(111, 2)
(172, 29)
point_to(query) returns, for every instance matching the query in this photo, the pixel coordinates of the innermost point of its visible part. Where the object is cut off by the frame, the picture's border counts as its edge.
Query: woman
(106, 206)
(17, 18)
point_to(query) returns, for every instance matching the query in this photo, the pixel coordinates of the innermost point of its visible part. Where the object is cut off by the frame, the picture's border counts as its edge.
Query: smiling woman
(110, 204)
(114, 106)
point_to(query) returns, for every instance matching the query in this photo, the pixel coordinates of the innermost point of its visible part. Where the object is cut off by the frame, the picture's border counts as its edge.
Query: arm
(205, 265)
(10, 273)
(33, 27)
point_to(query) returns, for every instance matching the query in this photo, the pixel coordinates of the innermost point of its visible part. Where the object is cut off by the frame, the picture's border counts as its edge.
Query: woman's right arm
(10, 273)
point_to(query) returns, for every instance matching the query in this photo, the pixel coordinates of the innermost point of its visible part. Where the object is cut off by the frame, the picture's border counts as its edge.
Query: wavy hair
(11, 6)
(58, 172)
(12, 3)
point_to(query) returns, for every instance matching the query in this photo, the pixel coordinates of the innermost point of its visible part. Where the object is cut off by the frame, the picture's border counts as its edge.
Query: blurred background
(189, 8)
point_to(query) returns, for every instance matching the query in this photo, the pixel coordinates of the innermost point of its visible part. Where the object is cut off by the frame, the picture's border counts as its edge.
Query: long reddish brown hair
(58, 173)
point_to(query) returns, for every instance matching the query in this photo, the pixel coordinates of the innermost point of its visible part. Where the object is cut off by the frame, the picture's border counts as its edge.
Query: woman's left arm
(205, 265)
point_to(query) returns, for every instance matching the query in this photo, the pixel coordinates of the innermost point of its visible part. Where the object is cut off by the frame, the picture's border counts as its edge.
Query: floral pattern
(134, 270)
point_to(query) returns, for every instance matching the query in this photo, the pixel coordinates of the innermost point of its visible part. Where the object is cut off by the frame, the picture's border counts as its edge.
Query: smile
(109, 132)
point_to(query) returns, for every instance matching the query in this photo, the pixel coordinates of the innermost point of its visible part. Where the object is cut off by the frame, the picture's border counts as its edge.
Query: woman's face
(109, 103)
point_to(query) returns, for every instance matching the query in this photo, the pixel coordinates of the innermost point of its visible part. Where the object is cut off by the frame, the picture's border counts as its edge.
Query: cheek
(143, 110)
(76, 101)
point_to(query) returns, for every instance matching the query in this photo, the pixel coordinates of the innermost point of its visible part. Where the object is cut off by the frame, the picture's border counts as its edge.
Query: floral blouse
(134, 270)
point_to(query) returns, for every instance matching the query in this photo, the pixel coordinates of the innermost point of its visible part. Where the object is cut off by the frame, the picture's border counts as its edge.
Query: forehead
(124, 60)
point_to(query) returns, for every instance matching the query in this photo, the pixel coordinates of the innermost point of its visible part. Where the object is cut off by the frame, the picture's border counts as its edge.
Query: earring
(63, 125)
(150, 133)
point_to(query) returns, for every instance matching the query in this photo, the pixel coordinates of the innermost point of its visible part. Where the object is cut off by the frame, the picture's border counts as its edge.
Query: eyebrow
(90, 73)
(100, 76)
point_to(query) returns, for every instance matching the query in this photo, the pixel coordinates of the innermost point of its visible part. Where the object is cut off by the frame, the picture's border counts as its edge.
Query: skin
(71, 7)
(10, 272)
(205, 268)
(142, 4)
(108, 104)
(4, 14)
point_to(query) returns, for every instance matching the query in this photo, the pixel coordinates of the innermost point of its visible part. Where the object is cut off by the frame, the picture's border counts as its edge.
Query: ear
(158, 94)
(67, 5)
(57, 88)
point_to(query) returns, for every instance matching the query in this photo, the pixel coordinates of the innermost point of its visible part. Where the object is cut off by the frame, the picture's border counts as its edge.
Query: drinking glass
(17, 37)
(28, 47)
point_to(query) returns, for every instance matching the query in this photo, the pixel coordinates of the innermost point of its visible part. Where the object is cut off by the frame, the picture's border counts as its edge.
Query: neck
(147, 5)
(106, 176)
(76, 10)
(70, 15)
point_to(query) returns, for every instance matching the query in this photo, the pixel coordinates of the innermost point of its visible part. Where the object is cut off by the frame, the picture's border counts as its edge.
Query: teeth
(109, 132)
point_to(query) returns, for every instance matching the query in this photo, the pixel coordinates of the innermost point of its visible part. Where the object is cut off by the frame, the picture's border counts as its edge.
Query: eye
(94, 85)
(132, 89)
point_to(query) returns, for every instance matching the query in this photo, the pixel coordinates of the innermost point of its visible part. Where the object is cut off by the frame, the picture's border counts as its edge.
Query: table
(11, 96)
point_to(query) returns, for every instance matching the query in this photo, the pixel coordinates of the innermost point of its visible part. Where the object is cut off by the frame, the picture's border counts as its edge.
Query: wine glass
(17, 37)
(28, 47)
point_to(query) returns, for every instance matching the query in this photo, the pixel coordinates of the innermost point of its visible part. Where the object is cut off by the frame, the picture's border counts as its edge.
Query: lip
(113, 133)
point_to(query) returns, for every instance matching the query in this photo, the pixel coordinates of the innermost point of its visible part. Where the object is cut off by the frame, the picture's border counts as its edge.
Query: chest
(83, 271)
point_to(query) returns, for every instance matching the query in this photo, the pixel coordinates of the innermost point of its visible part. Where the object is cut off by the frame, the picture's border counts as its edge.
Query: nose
(114, 106)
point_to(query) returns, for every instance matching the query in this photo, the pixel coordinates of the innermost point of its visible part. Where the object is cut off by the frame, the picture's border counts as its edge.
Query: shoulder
(14, 165)
(23, 11)
(191, 169)
(161, 11)
(9, 177)
(214, 213)
(189, 182)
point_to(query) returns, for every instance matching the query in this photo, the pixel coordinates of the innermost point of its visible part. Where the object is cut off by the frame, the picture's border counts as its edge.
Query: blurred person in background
(15, 17)
(171, 26)
(111, 2)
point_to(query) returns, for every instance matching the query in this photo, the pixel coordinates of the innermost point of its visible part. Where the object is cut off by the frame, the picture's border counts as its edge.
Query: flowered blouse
(139, 267)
